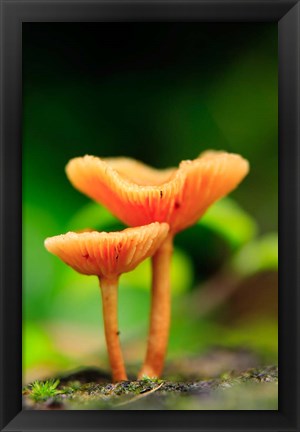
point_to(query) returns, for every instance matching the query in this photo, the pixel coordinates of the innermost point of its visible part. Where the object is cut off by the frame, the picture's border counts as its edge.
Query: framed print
(149, 215)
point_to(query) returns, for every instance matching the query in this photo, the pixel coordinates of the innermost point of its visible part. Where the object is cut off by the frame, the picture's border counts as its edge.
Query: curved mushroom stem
(109, 291)
(160, 311)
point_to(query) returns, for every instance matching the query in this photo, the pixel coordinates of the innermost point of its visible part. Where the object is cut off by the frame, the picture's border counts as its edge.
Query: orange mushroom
(108, 255)
(138, 195)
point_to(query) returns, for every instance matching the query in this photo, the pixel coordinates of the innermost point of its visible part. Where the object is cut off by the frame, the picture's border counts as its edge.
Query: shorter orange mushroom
(108, 255)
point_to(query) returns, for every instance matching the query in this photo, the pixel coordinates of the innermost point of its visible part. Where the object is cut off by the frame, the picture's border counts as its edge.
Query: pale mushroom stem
(160, 311)
(109, 291)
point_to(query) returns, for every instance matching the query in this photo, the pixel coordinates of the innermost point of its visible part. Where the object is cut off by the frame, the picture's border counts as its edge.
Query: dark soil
(239, 388)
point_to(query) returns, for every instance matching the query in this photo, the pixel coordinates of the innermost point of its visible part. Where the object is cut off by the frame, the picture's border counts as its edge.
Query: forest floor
(181, 388)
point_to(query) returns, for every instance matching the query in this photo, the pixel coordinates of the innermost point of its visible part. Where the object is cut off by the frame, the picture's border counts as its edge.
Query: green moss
(147, 379)
(71, 387)
(40, 391)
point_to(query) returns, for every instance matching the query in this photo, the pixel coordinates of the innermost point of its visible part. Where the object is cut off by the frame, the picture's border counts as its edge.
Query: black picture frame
(13, 14)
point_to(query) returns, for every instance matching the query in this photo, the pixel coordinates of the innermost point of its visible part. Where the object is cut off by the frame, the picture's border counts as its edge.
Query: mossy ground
(91, 389)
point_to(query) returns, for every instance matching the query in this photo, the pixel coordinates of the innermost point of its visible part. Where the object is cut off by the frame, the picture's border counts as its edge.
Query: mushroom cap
(108, 254)
(138, 172)
(138, 194)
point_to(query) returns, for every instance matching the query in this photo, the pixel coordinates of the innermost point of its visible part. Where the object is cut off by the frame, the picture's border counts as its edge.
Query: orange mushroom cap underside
(108, 254)
(139, 195)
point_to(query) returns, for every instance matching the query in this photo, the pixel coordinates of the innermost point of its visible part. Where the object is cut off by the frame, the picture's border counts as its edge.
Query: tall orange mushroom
(108, 255)
(138, 195)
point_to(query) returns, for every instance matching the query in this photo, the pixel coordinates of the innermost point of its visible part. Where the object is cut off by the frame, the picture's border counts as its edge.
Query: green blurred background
(160, 93)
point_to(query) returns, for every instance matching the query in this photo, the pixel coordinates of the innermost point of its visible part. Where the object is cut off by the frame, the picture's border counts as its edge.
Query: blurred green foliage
(158, 92)
(257, 255)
